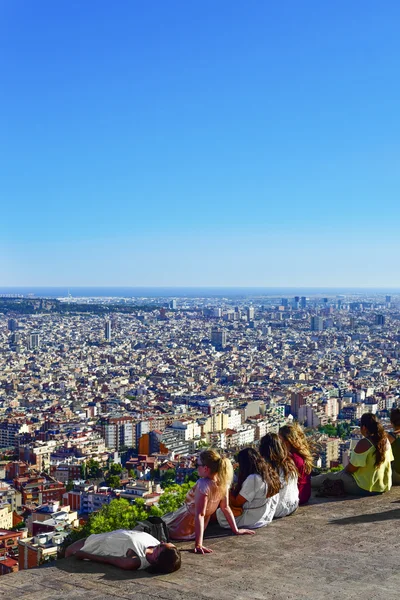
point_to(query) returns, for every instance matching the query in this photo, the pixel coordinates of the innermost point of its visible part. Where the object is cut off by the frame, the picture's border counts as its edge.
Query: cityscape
(199, 300)
(110, 397)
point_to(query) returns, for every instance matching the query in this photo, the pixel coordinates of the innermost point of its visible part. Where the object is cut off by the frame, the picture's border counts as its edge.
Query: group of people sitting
(271, 483)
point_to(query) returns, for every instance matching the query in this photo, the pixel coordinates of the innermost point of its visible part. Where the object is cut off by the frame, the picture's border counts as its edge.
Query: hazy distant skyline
(200, 144)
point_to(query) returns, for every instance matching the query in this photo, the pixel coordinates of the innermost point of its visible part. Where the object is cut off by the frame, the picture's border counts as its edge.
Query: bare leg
(78, 545)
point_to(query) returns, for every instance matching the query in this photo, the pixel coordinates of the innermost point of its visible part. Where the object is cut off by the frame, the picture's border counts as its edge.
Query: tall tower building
(379, 320)
(172, 305)
(107, 330)
(12, 325)
(218, 338)
(303, 302)
(250, 313)
(317, 324)
(296, 400)
(34, 340)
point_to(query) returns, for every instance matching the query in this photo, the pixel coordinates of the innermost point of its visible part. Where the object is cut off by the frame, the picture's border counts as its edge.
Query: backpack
(155, 526)
(331, 488)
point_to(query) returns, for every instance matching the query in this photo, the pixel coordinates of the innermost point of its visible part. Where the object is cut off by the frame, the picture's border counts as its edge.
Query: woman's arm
(236, 501)
(201, 501)
(349, 468)
(128, 564)
(228, 514)
(361, 447)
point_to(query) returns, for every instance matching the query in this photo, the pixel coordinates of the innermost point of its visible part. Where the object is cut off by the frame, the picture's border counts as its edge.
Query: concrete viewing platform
(331, 548)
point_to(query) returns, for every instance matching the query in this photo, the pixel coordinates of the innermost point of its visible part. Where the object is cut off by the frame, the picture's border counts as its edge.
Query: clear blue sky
(200, 143)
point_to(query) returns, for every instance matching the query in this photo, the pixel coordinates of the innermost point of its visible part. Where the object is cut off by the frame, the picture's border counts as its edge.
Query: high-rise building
(34, 340)
(296, 400)
(379, 320)
(15, 339)
(12, 325)
(303, 302)
(388, 301)
(118, 432)
(107, 330)
(218, 338)
(172, 305)
(296, 302)
(284, 302)
(317, 324)
(250, 313)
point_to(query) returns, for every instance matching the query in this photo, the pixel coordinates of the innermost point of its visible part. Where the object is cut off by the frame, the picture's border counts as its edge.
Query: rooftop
(337, 548)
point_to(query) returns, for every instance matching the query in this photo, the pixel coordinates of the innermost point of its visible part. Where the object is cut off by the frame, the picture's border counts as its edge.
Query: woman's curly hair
(294, 435)
(251, 462)
(276, 454)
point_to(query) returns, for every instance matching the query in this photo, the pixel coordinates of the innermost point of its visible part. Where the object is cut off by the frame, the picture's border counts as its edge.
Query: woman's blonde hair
(219, 465)
(294, 434)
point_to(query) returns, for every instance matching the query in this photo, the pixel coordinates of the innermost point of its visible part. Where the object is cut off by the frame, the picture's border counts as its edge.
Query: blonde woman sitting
(211, 490)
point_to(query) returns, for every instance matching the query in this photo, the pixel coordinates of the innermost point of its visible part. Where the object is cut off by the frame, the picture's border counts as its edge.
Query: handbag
(155, 526)
(331, 488)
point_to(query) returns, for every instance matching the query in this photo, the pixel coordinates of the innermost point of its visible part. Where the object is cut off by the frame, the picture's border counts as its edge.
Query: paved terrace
(332, 548)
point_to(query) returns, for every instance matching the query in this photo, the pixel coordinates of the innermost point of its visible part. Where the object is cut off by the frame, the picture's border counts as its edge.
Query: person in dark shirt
(394, 439)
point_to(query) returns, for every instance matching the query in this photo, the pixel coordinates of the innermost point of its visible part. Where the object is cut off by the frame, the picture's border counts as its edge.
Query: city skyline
(208, 145)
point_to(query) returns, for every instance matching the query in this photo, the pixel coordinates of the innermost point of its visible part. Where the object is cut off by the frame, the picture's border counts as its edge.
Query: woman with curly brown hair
(297, 445)
(277, 456)
(369, 471)
(255, 496)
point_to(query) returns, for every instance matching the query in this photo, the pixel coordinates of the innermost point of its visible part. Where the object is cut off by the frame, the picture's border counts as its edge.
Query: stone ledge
(332, 548)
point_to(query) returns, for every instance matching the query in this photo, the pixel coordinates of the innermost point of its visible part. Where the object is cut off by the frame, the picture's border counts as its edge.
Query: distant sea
(189, 292)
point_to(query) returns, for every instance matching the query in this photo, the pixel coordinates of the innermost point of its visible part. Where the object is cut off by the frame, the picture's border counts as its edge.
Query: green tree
(168, 477)
(343, 430)
(69, 486)
(193, 477)
(93, 468)
(329, 430)
(119, 514)
(173, 497)
(203, 444)
(115, 469)
(113, 481)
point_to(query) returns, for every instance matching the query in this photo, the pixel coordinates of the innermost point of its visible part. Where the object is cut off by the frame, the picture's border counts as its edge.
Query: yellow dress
(181, 522)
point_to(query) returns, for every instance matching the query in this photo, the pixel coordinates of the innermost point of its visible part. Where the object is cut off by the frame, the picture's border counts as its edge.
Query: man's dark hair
(168, 561)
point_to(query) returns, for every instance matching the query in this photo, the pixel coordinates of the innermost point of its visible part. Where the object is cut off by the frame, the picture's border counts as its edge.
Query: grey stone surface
(347, 548)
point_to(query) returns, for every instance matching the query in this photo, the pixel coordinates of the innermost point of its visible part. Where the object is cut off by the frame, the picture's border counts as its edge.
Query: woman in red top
(297, 444)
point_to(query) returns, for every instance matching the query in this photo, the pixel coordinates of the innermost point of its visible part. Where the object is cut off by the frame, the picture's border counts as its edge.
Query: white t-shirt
(258, 510)
(288, 496)
(117, 543)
